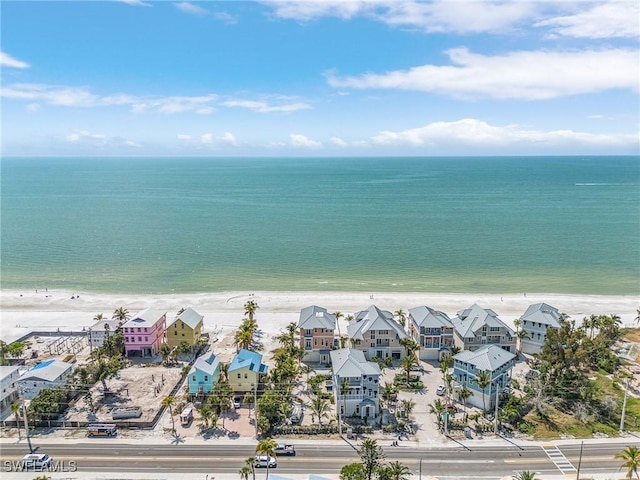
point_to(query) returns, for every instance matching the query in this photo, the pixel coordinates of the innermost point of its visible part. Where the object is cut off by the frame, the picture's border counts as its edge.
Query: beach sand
(22, 311)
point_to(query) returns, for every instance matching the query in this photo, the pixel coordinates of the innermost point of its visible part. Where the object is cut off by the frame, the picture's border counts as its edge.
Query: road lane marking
(559, 460)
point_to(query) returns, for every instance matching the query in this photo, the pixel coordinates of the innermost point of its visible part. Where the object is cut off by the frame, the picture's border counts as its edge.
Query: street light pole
(624, 405)
(24, 414)
(255, 407)
(495, 427)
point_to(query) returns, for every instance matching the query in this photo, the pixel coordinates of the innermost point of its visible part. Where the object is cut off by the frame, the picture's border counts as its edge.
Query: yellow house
(246, 370)
(187, 327)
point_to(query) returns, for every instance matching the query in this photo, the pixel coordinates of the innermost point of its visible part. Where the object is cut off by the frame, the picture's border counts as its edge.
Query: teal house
(204, 375)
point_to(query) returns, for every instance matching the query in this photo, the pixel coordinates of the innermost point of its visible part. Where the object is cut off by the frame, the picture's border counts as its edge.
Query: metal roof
(427, 317)
(349, 362)
(47, 371)
(246, 358)
(373, 319)
(206, 365)
(542, 313)
(145, 318)
(488, 357)
(316, 317)
(189, 317)
(470, 320)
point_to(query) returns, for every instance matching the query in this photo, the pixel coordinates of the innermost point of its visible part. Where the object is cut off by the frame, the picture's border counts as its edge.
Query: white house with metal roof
(432, 330)
(49, 374)
(356, 383)
(9, 375)
(377, 334)
(477, 326)
(317, 331)
(536, 321)
(492, 359)
(101, 330)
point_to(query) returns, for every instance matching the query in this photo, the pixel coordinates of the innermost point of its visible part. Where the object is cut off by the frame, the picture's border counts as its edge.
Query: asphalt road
(464, 461)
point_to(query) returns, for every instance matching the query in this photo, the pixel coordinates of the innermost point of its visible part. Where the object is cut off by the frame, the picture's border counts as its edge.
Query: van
(186, 416)
(102, 430)
(36, 461)
(261, 461)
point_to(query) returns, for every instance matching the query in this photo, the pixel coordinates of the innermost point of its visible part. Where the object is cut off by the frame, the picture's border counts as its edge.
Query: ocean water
(162, 225)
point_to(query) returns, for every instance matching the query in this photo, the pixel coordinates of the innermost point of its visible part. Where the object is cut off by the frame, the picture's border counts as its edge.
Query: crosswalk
(558, 459)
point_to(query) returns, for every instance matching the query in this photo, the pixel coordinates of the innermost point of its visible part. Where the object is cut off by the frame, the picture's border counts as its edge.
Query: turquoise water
(161, 225)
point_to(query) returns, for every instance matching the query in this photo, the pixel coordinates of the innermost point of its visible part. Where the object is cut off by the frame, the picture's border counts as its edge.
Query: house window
(126, 339)
(245, 376)
(139, 339)
(194, 378)
(183, 334)
(146, 339)
(239, 376)
(206, 378)
(357, 409)
(307, 344)
(139, 329)
(182, 325)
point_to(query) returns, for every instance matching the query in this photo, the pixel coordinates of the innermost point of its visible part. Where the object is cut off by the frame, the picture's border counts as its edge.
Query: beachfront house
(9, 376)
(317, 328)
(477, 326)
(48, 374)
(204, 374)
(144, 333)
(432, 330)
(377, 334)
(492, 359)
(101, 330)
(355, 384)
(187, 327)
(246, 371)
(536, 321)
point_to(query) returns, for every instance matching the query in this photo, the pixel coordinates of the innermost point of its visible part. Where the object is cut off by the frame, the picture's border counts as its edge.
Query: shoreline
(48, 310)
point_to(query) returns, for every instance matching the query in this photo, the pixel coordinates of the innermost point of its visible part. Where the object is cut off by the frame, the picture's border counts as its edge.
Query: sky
(319, 78)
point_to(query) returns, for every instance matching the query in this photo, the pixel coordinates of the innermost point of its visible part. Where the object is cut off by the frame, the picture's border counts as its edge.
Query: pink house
(316, 334)
(144, 333)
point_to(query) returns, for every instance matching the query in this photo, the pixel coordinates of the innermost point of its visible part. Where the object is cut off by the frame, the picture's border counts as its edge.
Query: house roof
(349, 362)
(7, 370)
(145, 318)
(470, 320)
(542, 313)
(206, 364)
(373, 319)
(47, 371)
(316, 317)
(427, 317)
(99, 325)
(246, 358)
(487, 357)
(189, 317)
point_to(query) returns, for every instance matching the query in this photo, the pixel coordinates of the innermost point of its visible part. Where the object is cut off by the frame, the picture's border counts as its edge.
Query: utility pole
(420, 470)
(26, 425)
(495, 427)
(255, 407)
(579, 461)
(624, 405)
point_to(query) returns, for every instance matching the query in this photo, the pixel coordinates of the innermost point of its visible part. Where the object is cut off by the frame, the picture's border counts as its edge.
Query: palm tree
(245, 471)
(15, 410)
(98, 317)
(453, 351)
(631, 460)
(483, 380)
(344, 391)
(407, 364)
(408, 406)
(249, 462)
(402, 317)
(320, 407)
(525, 475)
(338, 316)
(411, 345)
(243, 338)
(267, 447)
(637, 319)
(170, 401)
(206, 414)
(464, 394)
(397, 471)
(224, 372)
(250, 309)
(437, 409)
(121, 314)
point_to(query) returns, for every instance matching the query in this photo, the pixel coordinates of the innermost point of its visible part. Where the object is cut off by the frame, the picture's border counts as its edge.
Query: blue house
(246, 370)
(204, 375)
(494, 360)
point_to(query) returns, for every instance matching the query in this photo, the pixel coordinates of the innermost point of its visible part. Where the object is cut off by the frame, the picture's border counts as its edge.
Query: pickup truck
(285, 450)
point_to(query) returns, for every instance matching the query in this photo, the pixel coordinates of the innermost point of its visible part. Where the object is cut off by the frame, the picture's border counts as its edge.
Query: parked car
(285, 450)
(237, 402)
(451, 408)
(441, 390)
(261, 461)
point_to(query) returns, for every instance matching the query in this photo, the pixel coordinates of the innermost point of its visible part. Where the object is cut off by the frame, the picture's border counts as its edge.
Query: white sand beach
(24, 311)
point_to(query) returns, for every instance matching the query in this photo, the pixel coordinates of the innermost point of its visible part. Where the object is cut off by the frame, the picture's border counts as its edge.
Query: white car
(441, 390)
(261, 461)
(36, 461)
(237, 401)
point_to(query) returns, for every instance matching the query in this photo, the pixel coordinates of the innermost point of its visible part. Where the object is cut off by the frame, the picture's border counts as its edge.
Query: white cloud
(33, 107)
(616, 18)
(83, 97)
(532, 75)
(471, 131)
(191, 8)
(91, 139)
(264, 107)
(296, 140)
(435, 16)
(208, 139)
(7, 60)
(225, 17)
(135, 3)
(338, 141)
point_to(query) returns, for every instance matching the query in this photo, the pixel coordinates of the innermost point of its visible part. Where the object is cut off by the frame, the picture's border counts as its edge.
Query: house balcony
(383, 344)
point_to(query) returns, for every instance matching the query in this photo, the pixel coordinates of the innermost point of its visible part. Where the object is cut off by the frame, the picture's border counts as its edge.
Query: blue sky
(320, 78)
